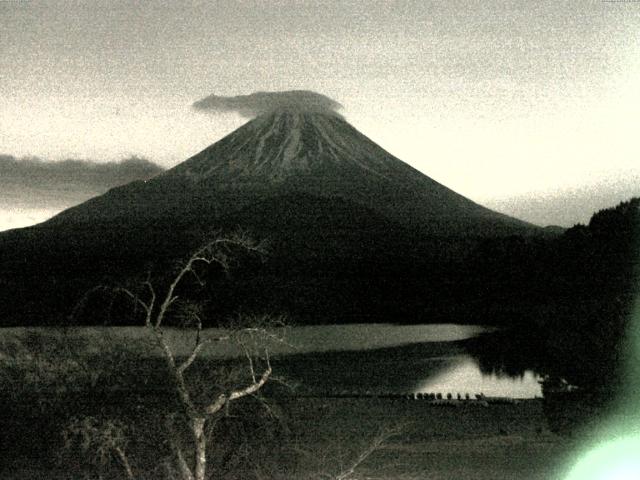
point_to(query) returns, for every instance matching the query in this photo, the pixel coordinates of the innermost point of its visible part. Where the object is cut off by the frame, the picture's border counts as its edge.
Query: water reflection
(356, 358)
(429, 359)
(463, 375)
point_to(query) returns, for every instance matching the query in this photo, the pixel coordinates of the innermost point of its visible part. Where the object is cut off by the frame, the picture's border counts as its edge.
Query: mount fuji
(292, 152)
(352, 229)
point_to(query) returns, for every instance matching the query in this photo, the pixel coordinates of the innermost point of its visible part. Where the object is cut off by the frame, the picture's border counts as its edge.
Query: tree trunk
(185, 471)
(125, 463)
(200, 442)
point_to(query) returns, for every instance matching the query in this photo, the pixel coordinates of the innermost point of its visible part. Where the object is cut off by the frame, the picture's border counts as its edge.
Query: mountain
(292, 152)
(354, 231)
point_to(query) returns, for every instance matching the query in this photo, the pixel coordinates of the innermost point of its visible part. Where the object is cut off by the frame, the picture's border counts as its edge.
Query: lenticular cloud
(259, 103)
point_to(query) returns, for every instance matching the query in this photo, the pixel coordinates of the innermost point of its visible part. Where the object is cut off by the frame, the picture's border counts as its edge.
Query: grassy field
(467, 442)
(52, 377)
(324, 436)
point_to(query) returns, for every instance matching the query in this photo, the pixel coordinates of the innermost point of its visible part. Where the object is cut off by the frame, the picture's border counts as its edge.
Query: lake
(352, 358)
(401, 359)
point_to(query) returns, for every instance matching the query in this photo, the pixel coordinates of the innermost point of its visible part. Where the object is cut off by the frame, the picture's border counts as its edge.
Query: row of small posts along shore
(438, 399)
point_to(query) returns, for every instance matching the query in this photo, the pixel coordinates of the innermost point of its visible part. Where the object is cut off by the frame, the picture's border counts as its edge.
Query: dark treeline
(568, 294)
(571, 298)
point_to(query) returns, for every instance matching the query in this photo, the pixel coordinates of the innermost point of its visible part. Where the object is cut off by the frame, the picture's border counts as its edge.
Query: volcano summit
(292, 152)
(346, 221)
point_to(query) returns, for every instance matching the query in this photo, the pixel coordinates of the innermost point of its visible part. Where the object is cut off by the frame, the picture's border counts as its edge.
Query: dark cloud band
(39, 183)
(81, 172)
(259, 103)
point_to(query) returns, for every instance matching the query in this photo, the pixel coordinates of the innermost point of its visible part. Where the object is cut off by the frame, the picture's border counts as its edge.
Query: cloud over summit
(260, 103)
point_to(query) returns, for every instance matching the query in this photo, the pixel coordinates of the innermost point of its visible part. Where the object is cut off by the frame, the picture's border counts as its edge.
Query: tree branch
(376, 443)
(254, 387)
(224, 399)
(125, 462)
(249, 359)
(185, 471)
(136, 299)
(207, 255)
(191, 358)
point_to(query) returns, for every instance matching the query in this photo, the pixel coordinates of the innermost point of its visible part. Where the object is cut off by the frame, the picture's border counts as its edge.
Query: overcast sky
(499, 100)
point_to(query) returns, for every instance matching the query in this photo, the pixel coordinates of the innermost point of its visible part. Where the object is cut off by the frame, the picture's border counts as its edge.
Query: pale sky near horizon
(527, 107)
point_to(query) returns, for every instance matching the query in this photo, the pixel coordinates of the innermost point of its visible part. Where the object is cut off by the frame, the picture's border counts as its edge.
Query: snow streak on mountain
(284, 144)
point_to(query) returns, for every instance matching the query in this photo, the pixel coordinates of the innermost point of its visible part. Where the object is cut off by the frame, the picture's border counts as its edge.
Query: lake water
(400, 359)
(354, 358)
(463, 375)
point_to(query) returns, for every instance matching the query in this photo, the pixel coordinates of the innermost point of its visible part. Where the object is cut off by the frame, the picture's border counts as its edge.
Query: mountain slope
(312, 153)
(355, 232)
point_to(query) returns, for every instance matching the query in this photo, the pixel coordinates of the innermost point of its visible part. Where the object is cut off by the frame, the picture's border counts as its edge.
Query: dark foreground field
(309, 438)
(465, 442)
(50, 382)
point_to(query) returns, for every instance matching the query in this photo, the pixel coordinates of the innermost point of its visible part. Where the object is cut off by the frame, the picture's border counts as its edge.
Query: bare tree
(103, 438)
(343, 460)
(204, 400)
